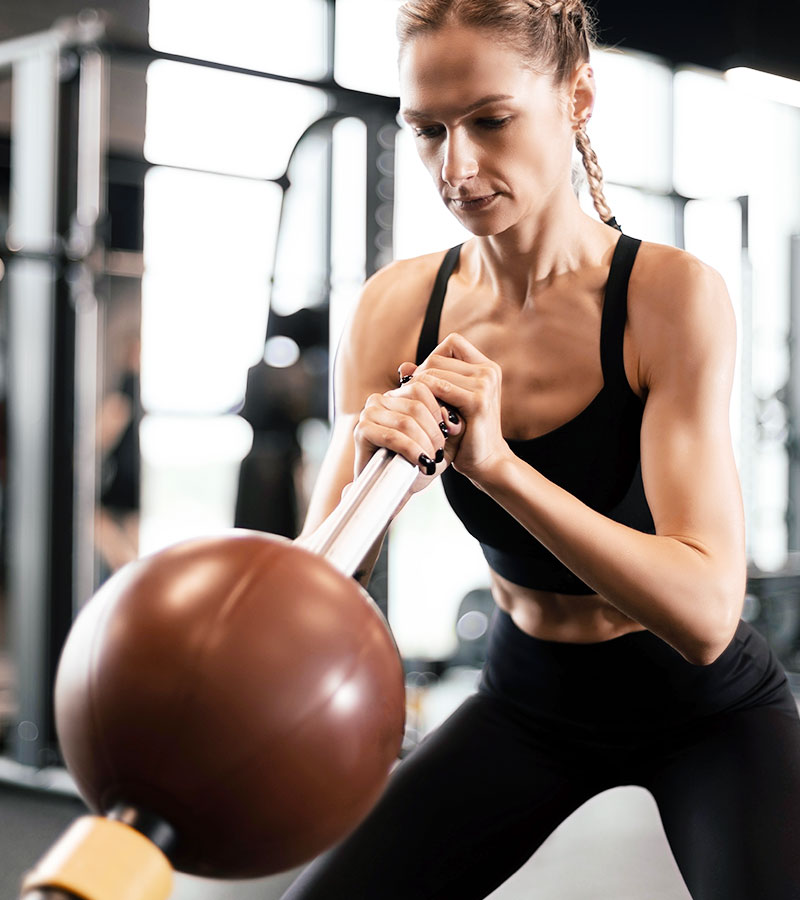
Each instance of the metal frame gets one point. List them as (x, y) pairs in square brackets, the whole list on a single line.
[(792, 397), (51, 253)]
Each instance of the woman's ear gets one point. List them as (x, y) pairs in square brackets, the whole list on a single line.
[(582, 95)]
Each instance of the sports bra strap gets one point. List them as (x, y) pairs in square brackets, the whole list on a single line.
[(429, 336), (615, 310), (615, 313)]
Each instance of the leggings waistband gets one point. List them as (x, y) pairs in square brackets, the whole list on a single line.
[(634, 676)]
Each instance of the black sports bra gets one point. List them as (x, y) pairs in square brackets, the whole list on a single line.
[(594, 456)]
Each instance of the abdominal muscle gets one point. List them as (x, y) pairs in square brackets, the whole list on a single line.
[(582, 619)]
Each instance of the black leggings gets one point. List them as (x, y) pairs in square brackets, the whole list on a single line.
[(552, 725)]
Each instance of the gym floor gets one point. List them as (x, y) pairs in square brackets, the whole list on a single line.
[(616, 837)]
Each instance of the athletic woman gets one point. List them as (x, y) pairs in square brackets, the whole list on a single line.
[(572, 384)]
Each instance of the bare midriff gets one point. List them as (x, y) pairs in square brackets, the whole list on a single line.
[(576, 619)]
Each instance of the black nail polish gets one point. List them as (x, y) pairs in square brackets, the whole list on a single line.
[(453, 416), (439, 456), (404, 379), (430, 465), (444, 429)]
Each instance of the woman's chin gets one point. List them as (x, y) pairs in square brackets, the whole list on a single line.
[(482, 227)]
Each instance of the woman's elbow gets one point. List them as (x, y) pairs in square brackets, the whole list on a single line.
[(716, 629), (704, 653)]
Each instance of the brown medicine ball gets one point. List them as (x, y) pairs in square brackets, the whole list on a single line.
[(242, 689)]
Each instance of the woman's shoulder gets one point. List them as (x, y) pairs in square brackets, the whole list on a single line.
[(385, 324), (678, 302), (402, 276), (672, 289), (665, 275), (395, 298)]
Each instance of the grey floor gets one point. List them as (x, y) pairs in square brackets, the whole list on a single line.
[(613, 848)]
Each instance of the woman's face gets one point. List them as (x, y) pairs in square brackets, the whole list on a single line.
[(496, 137)]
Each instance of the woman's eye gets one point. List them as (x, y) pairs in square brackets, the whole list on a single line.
[(431, 131), (494, 123)]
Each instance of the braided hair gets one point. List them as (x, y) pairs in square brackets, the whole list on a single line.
[(553, 36)]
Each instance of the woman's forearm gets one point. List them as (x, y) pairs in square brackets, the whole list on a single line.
[(668, 583)]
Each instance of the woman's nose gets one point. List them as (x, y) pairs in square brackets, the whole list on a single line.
[(460, 161)]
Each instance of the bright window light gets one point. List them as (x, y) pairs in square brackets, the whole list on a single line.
[(208, 251), (416, 585), (768, 546), (281, 38), (201, 331), (718, 146), (766, 86), (366, 48), (633, 149), (349, 215), (190, 470), (193, 220), (202, 118), (194, 440), (349, 189), (300, 271)]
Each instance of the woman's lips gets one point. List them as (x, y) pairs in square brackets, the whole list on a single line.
[(470, 204)]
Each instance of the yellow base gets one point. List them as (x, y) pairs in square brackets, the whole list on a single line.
[(102, 859)]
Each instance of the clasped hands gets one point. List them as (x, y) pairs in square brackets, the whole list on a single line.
[(446, 410)]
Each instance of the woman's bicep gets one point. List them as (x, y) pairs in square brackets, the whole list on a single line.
[(688, 465), (690, 478)]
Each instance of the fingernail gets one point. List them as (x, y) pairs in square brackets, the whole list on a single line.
[(444, 429), (453, 416), (404, 379), (430, 465), (439, 456)]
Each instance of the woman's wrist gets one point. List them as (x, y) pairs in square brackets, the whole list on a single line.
[(495, 471)]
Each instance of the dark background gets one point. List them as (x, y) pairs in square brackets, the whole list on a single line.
[(718, 34)]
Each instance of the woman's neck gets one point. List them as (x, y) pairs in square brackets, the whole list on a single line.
[(527, 257)]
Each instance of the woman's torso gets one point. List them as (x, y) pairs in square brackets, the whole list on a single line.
[(548, 348)]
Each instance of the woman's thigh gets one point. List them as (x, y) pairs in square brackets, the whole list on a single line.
[(730, 804), (462, 813)]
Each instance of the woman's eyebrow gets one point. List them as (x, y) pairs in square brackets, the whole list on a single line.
[(424, 114)]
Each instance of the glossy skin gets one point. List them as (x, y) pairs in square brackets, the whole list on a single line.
[(521, 357)]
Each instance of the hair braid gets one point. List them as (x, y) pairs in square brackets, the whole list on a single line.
[(557, 7), (594, 175)]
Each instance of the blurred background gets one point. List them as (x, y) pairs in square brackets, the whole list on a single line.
[(188, 207)]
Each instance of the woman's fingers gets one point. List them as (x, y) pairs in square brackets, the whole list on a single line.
[(450, 423), (405, 371), (462, 378), (418, 393), (447, 417), (467, 393), (457, 347), (407, 422)]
